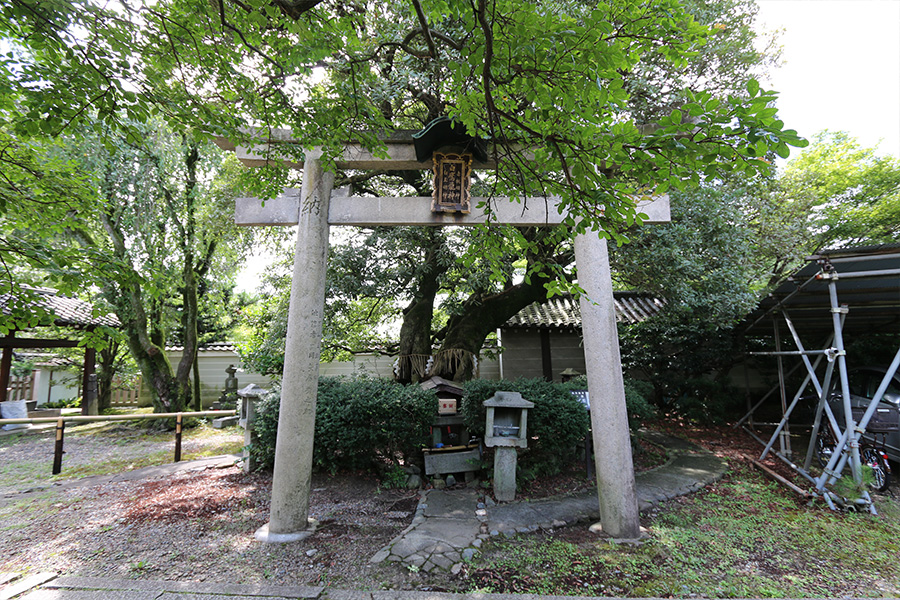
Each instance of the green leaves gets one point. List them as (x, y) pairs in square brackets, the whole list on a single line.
[(849, 192), (360, 424)]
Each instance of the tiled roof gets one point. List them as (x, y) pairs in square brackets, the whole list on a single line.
[(210, 347), (69, 312), (43, 359), (564, 312)]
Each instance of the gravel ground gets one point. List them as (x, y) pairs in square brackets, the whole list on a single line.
[(193, 526)]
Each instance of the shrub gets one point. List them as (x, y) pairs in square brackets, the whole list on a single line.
[(362, 423), (265, 426), (65, 403), (638, 396), (557, 425)]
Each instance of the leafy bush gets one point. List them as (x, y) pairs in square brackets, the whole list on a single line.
[(687, 361), (362, 423), (638, 396), (265, 427), (557, 425), (64, 403)]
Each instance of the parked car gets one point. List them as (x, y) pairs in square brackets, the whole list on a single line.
[(882, 438)]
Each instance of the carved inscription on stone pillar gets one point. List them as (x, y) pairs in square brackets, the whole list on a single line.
[(452, 177)]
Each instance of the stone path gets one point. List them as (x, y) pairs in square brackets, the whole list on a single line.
[(451, 525)]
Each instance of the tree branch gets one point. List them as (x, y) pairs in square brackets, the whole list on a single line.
[(425, 31)]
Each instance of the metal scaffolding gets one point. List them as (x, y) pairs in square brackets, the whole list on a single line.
[(868, 280)]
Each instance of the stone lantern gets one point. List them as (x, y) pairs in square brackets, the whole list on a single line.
[(249, 397), (506, 430)]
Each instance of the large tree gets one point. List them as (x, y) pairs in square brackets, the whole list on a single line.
[(597, 102), (843, 193), (456, 290), (150, 236), (733, 240), (161, 214)]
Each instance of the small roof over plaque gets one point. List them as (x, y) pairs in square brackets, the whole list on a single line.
[(444, 131)]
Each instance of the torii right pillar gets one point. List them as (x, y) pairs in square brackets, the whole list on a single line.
[(619, 515)]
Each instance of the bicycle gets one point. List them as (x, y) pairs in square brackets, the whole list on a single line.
[(871, 455)]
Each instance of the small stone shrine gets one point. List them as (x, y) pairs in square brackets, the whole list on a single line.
[(453, 453)]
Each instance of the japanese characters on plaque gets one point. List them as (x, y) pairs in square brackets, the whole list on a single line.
[(452, 177)]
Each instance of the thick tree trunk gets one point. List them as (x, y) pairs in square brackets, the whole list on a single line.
[(466, 331), (149, 355), (415, 332), (106, 372), (190, 311), (198, 401)]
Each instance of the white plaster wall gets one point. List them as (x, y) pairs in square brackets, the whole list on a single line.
[(383, 366), (64, 386), (212, 367)]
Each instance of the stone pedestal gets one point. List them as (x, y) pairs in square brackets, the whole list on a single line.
[(505, 460), (248, 396)]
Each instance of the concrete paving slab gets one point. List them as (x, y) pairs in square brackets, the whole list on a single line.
[(20, 586), (451, 504), (191, 587), (652, 495), (330, 594), (414, 543), (666, 480), (700, 467), (185, 596), (509, 517), (669, 442), (570, 509), (458, 533), (404, 595), (60, 594)]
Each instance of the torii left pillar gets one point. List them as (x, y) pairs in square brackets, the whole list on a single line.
[(289, 514)]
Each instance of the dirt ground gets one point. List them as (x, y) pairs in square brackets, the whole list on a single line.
[(198, 526)]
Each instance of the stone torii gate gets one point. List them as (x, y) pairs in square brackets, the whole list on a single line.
[(314, 208)]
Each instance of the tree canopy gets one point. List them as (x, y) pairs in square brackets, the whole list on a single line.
[(556, 78), (597, 102), (847, 195)]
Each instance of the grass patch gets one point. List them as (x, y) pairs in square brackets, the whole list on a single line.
[(743, 537)]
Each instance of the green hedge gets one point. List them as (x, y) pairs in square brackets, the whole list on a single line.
[(372, 424), (362, 423), (557, 425)]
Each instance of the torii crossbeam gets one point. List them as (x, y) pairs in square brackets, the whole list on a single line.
[(313, 209)]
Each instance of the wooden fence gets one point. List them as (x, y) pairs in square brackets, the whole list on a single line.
[(62, 420), (126, 393), (20, 388)]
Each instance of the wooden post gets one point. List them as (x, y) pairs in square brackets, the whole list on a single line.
[(178, 438), (88, 405), (5, 366), (58, 450), (546, 362)]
